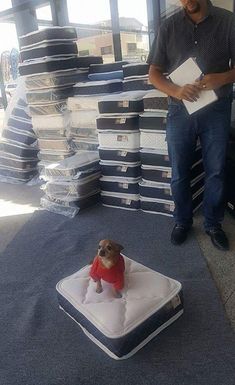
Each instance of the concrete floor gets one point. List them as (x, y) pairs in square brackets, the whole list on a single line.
[(18, 202)]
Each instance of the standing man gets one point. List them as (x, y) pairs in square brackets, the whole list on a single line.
[(207, 34)]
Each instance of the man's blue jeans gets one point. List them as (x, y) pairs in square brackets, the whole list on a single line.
[(211, 124)]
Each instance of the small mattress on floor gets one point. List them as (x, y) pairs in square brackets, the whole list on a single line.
[(121, 326)]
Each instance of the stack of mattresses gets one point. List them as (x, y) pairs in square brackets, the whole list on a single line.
[(18, 147), (72, 184), (107, 71), (51, 67), (155, 190), (119, 141), (136, 77), (105, 79)]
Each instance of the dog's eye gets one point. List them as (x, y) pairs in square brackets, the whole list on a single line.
[(109, 248), (99, 247)]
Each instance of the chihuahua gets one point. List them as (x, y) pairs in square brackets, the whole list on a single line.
[(109, 265)]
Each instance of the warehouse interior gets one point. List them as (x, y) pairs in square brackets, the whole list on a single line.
[(70, 71)]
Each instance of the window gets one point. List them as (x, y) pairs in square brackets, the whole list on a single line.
[(44, 13), (106, 50), (131, 47)]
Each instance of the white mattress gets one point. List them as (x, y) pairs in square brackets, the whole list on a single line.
[(119, 139), (84, 119), (121, 326), (50, 121), (80, 103), (154, 139)]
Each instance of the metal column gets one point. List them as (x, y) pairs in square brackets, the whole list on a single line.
[(115, 29), (59, 11), (25, 19)]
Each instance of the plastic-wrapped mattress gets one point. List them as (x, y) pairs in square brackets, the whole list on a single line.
[(48, 34), (55, 108), (155, 100), (48, 95), (59, 49), (17, 149), (141, 83), (167, 207), (59, 144), (153, 120), (153, 157), (133, 70), (120, 327), (119, 139), (106, 67), (55, 79), (119, 155), (83, 119), (80, 103), (49, 133), (106, 75), (47, 65), (123, 103), (120, 200), (17, 174), (20, 124), (20, 136), (83, 133), (118, 122), (50, 121), (87, 144), (21, 113), (83, 162), (119, 184), (128, 170), (54, 156), (98, 87), (69, 209), (8, 160), (73, 190)]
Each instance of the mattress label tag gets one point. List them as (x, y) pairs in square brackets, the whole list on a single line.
[(167, 191), (169, 174), (122, 153), (120, 121), (123, 185), (123, 168), (122, 138), (123, 103), (126, 201), (176, 301), (146, 81), (166, 157)]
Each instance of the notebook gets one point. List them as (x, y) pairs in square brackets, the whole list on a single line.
[(187, 73)]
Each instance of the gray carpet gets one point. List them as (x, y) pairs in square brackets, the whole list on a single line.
[(40, 345)]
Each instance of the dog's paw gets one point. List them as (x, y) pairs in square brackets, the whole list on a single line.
[(117, 294)]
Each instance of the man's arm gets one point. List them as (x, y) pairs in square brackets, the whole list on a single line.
[(217, 80), (189, 92)]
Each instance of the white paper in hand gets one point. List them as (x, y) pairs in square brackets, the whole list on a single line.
[(188, 73)]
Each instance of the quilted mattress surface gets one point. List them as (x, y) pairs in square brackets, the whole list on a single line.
[(121, 326)]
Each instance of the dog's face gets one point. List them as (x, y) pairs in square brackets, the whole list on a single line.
[(108, 251)]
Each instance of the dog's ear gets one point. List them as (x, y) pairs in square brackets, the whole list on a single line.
[(120, 247)]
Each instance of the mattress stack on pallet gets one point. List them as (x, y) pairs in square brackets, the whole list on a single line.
[(51, 67), (119, 142), (155, 190), (136, 77), (18, 150), (72, 184), (103, 79)]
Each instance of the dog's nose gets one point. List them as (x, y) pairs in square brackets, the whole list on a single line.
[(102, 253)]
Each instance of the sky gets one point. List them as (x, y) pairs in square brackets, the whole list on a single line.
[(80, 12)]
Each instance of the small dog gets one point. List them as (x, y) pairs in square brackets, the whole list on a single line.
[(109, 265)]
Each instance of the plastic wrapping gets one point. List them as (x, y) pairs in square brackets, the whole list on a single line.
[(106, 75), (83, 119), (69, 209), (48, 95), (120, 200), (54, 156), (55, 79), (83, 133), (73, 190), (47, 65), (19, 150), (98, 87), (19, 136), (55, 108), (81, 144), (59, 144), (120, 185), (64, 49), (83, 103), (82, 162), (49, 133), (8, 160), (128, 170), (20, 124), (21, 113), (50, 121), (16, 174)]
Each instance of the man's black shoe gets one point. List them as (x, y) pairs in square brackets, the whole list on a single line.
[(179, 234), (219, 239)]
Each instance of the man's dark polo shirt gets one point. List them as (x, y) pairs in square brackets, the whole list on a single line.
[(211, 43)]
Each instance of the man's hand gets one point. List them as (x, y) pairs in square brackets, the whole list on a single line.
[(211, 81), (189, 92)]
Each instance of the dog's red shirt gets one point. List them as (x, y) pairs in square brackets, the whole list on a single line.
[(114, 275)]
